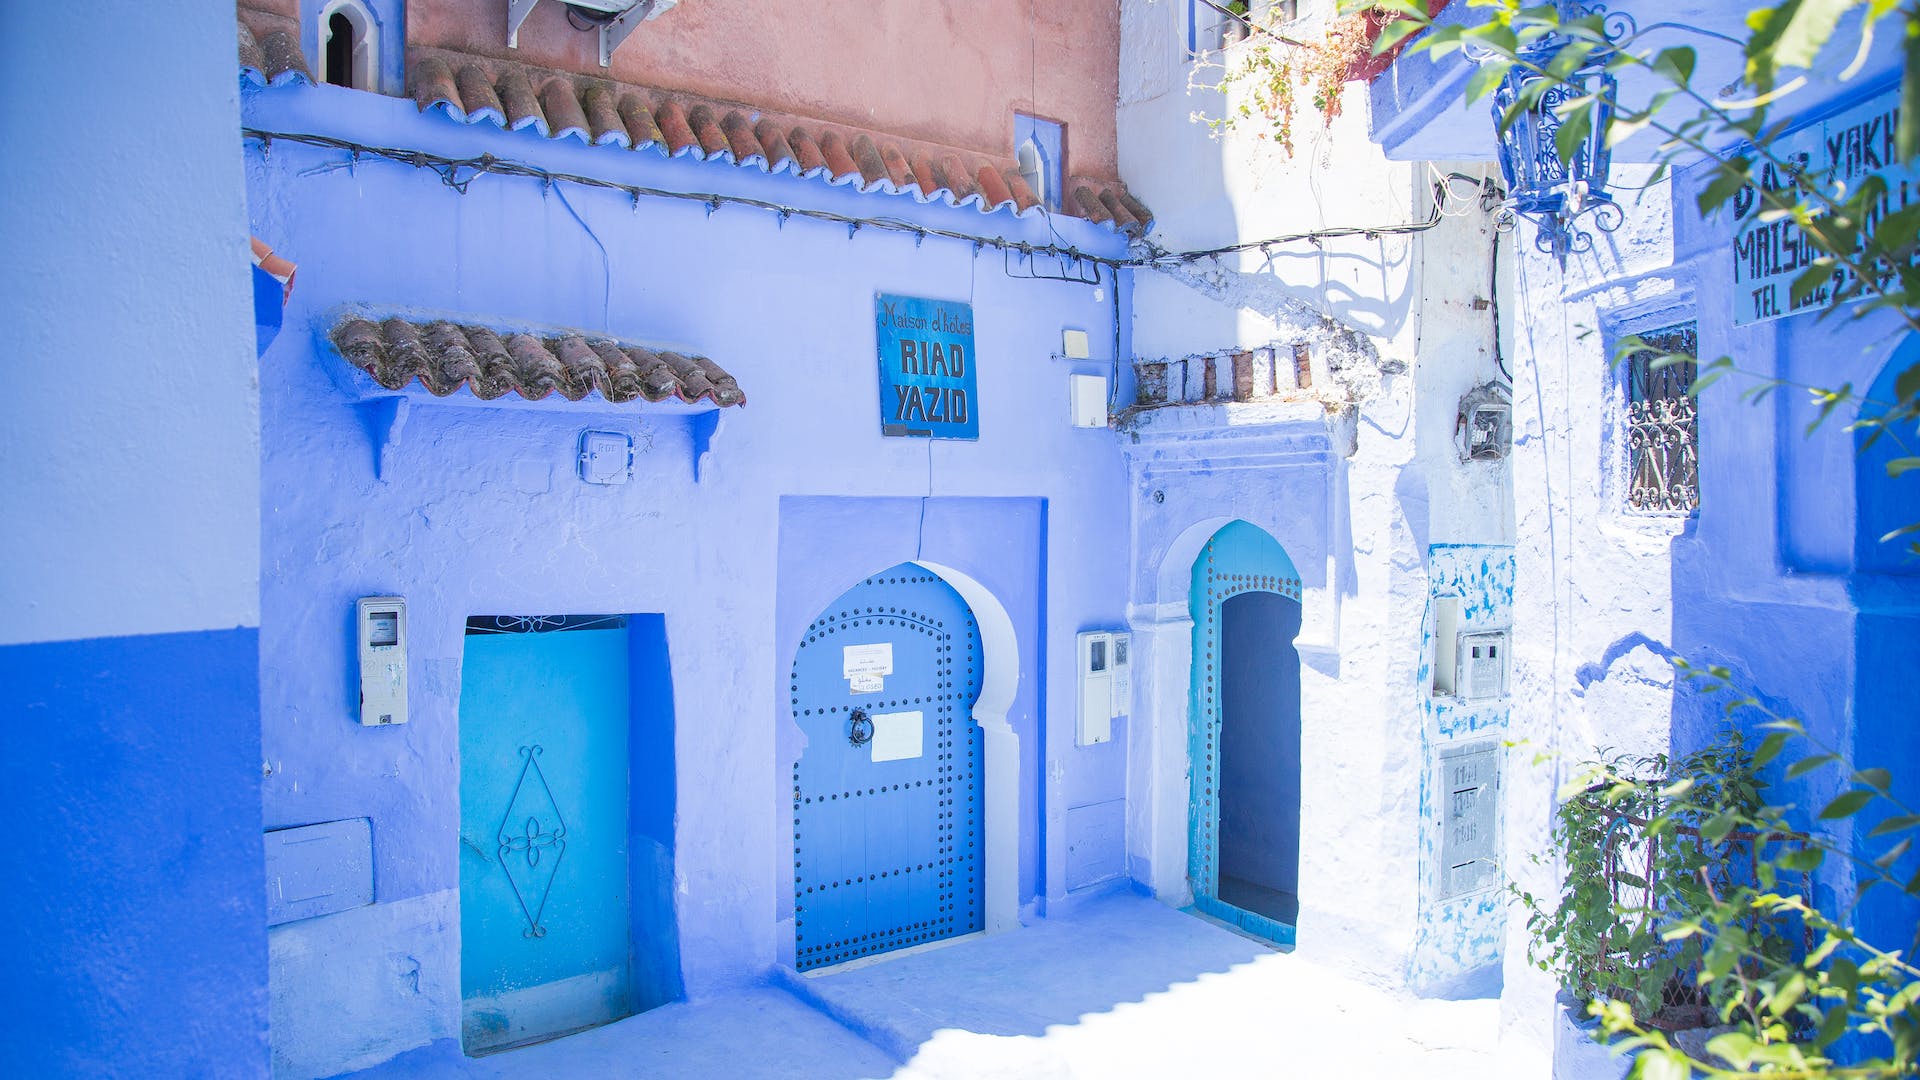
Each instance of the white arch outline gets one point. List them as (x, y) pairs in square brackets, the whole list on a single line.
[(1037, 177), (1000, 769), (1163, 687), (366, 44)]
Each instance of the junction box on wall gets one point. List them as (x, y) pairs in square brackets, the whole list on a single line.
[(1106, 683), (1484, 430)]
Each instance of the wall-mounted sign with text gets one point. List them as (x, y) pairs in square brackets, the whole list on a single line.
[(926, 368), (1837, 156)]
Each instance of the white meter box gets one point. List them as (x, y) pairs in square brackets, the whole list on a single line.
[(1481, 665), (1105, 685), (381, 628)]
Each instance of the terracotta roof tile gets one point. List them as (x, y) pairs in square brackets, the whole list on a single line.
[(713, 142), (272, 58), (523, 109), (482, 102), (778, 152), (1091, 207), (866, 158), (741, 139), (675, 126), (603, 117), (564, 111), (993, 186), (808, 158), (557, 105), (641, 128), (1023, 195), (444, 356)]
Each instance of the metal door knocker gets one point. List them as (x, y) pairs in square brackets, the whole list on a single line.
[(860, 728)]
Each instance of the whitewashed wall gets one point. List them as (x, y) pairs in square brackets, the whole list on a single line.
[(1358, 476)]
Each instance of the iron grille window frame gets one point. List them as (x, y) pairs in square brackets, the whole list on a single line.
[(1659, 426)]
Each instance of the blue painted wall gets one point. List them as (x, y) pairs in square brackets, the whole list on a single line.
[(128, 648), (655, 782), (479, 511)]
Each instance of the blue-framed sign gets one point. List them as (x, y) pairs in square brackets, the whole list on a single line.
[(926, 368)]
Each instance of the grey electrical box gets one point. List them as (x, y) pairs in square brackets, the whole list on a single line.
[(1486, 424), (1466, 792)]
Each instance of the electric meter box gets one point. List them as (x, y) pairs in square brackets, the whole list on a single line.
[(381, 627), (1480, 665), (1466, 789), (1103, 683)]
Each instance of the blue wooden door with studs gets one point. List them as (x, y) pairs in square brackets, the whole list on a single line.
[(545, 927), (887, 845)]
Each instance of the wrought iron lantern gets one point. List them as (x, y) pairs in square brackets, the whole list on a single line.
[(1552, 193)]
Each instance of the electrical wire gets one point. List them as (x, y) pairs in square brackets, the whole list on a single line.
[(1443, 195), (606, 260), (459, 173), (1493, 301)]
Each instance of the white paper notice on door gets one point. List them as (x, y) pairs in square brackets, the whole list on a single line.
[(866, 684), (896, 736), (866, 660)]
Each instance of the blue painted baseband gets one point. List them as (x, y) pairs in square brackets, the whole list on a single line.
[(138, 898)]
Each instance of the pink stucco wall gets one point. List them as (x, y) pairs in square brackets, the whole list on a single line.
[(943, 71)]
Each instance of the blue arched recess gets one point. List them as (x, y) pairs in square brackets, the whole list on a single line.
[(1886, 589), (1244, 828), (887, 845)]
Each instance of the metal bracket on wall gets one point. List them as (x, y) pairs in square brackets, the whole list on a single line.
[(612, 32), (385, 419)]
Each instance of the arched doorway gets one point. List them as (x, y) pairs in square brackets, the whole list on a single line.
[(1244, 848), (889, 845)]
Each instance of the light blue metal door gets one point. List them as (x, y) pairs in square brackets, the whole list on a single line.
[(544, 917), (887, 846)]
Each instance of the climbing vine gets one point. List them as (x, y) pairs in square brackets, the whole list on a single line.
[(1274, 70)]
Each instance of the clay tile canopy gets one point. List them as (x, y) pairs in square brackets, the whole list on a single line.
[(473, 90), (446, 356), (556, 105)]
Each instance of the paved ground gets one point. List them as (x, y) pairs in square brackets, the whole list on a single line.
[(1121, 987)]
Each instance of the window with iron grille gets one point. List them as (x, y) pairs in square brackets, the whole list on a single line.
[(1663, 432)]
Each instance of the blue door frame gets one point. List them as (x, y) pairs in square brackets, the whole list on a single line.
[(888, 848), (1239, 559)]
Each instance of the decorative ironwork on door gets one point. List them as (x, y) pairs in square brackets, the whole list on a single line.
[(532, 838)]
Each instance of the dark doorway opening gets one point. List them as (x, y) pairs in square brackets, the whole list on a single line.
[(1260, 755)]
